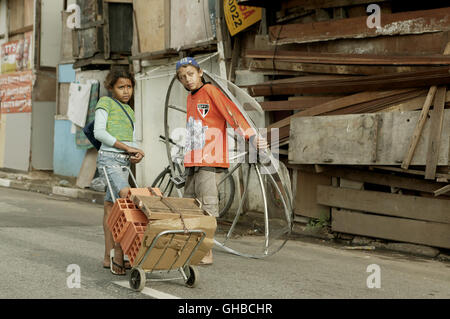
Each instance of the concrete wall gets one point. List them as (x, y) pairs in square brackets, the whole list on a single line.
[(2, 140), (51, 28), (43, 115), (17, 141)]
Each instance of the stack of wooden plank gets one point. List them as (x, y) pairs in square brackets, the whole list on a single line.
[(364, 114), (375, 202)]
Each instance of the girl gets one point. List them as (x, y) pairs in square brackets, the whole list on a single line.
[(114, 128)]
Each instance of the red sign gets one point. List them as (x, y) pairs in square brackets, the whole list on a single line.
[(15, 92)]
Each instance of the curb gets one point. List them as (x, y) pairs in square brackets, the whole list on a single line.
[(81, 194), (39, 187), (364, 243)]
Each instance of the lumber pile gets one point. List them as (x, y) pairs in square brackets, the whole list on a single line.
[(363, 115)]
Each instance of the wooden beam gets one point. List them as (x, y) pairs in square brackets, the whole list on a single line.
[(269, 65), (421, 122), (155, 55), (37, 35), (334, 107), (392, 228), (305, 202), (411, 105), (317, 4), (300, 103), (351, 84), (340, 103), (412, 22), (409, 171), (378, 104), (413, 207), (377, 178), (96, 60), (234, 58), (106, 30), (434, 140), (419, 127), (119, 1), (21, 30), (442, 190), (345, 58)]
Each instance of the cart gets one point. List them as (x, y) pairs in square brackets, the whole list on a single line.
[(190, 274), (158, 251)]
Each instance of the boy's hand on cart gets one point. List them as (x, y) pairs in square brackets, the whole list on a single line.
[(260, 143)]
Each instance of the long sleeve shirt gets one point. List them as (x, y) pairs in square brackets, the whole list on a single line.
[(208, 112), (101, 134)]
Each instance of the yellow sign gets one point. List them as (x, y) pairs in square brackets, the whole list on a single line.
[(240, 17)]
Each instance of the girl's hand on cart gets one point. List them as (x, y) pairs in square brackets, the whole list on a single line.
[(136, 158), (133, 151), (136, 154)]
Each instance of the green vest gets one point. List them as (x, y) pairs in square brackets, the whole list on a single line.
[(118, 124)]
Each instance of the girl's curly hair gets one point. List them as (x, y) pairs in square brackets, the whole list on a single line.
[(114, 75)]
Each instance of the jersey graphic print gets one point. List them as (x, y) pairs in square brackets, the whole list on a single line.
[(203, 109), (195, 135)]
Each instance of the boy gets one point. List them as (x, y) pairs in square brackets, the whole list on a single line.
[(206, 151)]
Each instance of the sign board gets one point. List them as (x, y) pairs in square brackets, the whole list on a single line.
[(240, 17), (15, 92), (11, 51), (15, 55)]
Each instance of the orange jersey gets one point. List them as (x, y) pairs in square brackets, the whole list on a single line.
[(208, 112)]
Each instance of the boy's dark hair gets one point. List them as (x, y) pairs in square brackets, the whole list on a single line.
[(114, 75)]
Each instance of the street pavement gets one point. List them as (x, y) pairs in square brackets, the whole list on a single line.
[(47, 241)]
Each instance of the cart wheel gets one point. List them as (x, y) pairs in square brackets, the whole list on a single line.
[(192, 276), (137, 279)]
